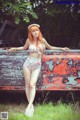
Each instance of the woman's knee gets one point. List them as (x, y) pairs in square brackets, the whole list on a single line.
[(27, 83), (32, 85)]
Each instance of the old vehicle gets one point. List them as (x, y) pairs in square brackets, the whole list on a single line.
[(60, 70)]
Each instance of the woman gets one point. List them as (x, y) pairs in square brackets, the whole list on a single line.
[(31, 67)]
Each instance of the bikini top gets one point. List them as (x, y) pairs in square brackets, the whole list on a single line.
[(33, 48)]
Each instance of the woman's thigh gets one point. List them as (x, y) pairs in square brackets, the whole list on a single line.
[(27, 74), (34, 76)]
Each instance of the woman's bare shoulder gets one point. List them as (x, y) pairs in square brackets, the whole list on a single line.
[(27, 41), (44, 40)]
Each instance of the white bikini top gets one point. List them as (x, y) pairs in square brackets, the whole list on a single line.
[(33, 48)]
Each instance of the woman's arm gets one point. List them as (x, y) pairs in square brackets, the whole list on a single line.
[(20, 48), (47, 45)]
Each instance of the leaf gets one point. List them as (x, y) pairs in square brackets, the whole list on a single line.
[(17, 20), (26, 19), (34, 15)]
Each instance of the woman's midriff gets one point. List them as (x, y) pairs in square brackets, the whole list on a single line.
[(35, 55)]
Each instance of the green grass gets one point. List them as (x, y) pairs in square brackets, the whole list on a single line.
[(47, 111)]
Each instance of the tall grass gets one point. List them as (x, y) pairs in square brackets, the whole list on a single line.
[(46, 111)]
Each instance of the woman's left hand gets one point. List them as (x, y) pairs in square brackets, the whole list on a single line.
[(65, 48)]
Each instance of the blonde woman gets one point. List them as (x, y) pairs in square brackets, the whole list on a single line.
[(32, 66)]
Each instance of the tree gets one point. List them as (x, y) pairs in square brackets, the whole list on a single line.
[(18, 9), (52, 8)]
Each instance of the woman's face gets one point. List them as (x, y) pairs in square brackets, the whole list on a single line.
[(35, 32)]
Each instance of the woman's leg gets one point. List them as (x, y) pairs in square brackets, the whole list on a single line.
[(27, 74), (33, 80)]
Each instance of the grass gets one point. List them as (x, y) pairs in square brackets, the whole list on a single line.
[(46, 111)]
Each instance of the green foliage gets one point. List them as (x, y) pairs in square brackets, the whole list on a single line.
[(19, 9), (23, 10), (50, 8)]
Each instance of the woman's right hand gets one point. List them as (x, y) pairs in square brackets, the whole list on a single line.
[(11, 50)]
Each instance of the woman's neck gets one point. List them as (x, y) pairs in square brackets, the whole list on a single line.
[(35, 38)]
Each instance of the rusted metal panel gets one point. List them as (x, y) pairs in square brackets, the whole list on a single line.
[(60, 70), (11, 76)]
